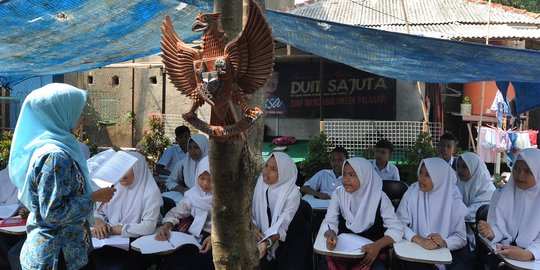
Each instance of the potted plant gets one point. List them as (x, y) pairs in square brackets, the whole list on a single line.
[(466, 106)]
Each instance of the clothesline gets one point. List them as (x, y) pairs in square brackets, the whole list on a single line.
[(492, 140)]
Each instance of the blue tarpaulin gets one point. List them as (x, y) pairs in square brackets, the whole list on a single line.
[(53, 37), (41, 37)]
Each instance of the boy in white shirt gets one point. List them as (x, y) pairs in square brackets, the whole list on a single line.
[(323, 183), (174, 153), (381, 163)]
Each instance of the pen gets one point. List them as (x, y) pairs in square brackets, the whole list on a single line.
[(170, 243), (329, 227), (102, 204)]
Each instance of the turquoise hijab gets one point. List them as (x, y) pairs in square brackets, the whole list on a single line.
[(47, 117)]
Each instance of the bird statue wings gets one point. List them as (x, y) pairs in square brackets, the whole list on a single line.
[(221, 73)]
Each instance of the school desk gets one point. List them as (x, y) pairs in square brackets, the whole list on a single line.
[(320, 248), (514, 264), (297, 151), (316, 204), (410, 251), (15, 230)]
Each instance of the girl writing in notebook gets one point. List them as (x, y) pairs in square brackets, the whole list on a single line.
[(513, 221), (196, 203), (49, 170), (183, 175), (275, 202), (133, 212), (361, 207), (433, 214)]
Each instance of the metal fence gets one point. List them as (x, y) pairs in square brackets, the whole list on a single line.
[(358, 136)]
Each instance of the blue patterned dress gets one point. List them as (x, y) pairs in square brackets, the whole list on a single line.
[(60, 211)]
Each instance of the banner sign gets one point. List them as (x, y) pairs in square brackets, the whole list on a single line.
[(294, 91)]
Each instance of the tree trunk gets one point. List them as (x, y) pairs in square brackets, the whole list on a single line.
[(235, 167)]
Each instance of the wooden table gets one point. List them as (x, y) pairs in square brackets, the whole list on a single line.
[(15, 230), (320, 248), (409, 251), (514, 264)]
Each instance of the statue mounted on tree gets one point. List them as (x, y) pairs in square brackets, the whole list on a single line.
[(221, 73)]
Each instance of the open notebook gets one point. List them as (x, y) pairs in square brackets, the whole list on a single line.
[(349, 242), (149, 245), (116, 241)]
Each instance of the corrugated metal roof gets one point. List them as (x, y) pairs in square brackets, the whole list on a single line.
[(465, 31), (390, 12)]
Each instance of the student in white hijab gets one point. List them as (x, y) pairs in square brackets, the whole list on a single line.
[(474, 183), (360, 207), (132, 212), (8, 196), (8, 192), (183, 175), (196, 203), (433, 214), (275, 201), (513, 219)]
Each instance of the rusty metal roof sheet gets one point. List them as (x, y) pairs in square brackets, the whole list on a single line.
[(390, 12)]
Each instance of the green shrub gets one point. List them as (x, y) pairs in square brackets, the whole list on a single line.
[(154, 140), (423, 148), (318, 156), (5, 147)]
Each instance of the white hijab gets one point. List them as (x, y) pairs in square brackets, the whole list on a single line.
[(130, 204), (277, 193), (8, 191), (516, 213), (433, 212), (479, 187), (190, 165), (359, 208), (201, 202)]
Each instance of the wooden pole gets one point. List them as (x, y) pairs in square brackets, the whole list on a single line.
[(420, 96)]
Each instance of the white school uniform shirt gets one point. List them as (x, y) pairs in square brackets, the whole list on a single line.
[(171, 156), (439, 211), (137, 206), (516, 217), (324, 181), (197, 204), (8, 191), (359, 208), (390, 172), (283, 200)]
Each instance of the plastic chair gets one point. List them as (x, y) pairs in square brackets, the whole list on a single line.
[(168, 204), (482, 251), (394, 189)]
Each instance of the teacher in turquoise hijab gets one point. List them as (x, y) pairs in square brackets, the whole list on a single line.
[(49, 170)]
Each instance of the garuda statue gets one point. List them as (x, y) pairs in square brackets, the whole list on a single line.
[(221, 73)]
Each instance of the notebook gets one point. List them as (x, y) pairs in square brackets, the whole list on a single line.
[(113, 169), (13, 221), (116, 241), (149, 245), (350, 242)]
